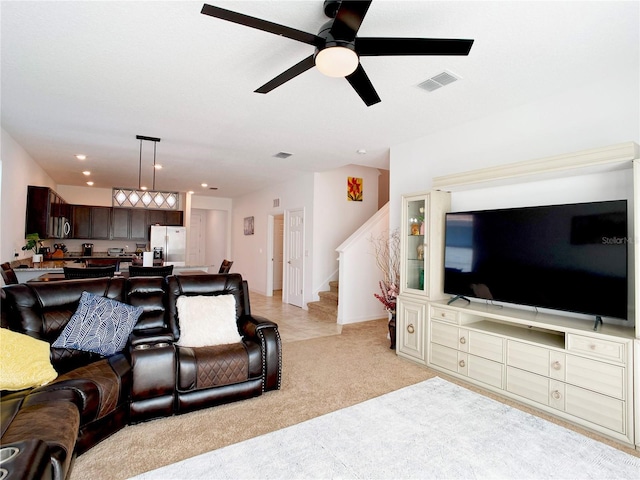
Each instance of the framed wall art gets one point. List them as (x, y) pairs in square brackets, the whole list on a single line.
[(354, 189), (248, 225)]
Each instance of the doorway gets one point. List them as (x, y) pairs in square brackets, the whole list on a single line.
[(275, 253)]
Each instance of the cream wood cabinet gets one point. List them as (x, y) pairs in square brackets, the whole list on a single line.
[(636, 369), (554, 363), (421, 268), (411, 330)]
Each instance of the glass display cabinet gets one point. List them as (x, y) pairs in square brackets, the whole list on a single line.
[(421, 268), (422, 247)]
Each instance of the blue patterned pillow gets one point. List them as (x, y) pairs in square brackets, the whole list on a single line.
[(99, 325)]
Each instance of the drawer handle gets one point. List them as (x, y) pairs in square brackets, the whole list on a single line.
[(556, 365), (463, 340), (556, 395), (442, 314), (592, 346), (410, 328), (461, 363)]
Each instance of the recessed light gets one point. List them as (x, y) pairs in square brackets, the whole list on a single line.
[(143, 188), (204, 185), (191, 192), (86, 172), (361, 151), (90, 183), (157, 166), (81, 157)]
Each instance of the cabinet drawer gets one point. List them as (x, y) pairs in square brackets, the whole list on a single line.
[(444, 314), (482, 370), (477, 368), (444, 334), (443, 357), (600, 409), (539, 360), (596, 347), (528, 385), (597, 376), (485, 345), (528, 357)]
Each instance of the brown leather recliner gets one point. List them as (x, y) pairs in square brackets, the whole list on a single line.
[(213, 375)]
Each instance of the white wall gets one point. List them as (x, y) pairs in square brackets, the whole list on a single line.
[(335, 218), (18, 171), (359, 272), (249, 252), (594, 115), (591, 116), (217, 246)]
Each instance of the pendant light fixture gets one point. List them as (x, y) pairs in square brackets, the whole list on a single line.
[(142, 196), (155, 141)]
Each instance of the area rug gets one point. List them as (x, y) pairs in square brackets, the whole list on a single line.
[(434, 429)]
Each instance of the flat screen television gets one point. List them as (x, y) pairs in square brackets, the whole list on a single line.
[(569, 257)]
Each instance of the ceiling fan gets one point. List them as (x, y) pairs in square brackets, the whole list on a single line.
[(338, 47)]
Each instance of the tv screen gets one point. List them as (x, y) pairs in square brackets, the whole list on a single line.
[(564, 257)]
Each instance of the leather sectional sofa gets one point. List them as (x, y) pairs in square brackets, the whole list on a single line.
[(154, 376)]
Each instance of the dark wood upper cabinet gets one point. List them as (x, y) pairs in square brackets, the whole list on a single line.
[(129, 224), (139, 230), (116, 223), (90, 222), (120, 224), (81, 221), (47, 213)]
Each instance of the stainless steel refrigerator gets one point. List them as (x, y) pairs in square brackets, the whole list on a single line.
[(172, 241)]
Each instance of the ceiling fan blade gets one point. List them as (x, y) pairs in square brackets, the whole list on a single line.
[(260, 24), (363, 86), (348, 19), (373, 46), (287, 75)]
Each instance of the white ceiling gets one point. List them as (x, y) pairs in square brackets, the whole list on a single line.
[(88, 76)]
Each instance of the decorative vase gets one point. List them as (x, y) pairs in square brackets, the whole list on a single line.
[(37, 258), (421, 228), (392, 330)]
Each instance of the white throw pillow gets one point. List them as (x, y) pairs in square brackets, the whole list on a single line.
[(207, 320)]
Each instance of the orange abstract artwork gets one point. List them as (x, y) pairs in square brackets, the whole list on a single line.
[(354, 189)]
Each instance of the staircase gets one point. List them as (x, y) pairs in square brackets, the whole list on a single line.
[(326, 308)]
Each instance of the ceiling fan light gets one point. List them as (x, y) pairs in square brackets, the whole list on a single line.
[(337, 61)]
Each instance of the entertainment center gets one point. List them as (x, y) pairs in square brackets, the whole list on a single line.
[(550, 360)]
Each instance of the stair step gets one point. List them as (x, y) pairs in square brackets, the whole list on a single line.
[(323, 311), (331, 297), (333, 286)]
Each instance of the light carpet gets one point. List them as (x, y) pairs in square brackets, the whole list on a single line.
[(434, 429)]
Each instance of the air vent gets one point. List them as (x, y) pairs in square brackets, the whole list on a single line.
[(283, 155), (438, 81), (276, 202), (213, 188)]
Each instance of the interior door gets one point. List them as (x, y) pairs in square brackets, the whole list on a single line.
[(278, 254), (295, 257)]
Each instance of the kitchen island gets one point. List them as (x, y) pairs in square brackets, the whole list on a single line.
[(56, 266)]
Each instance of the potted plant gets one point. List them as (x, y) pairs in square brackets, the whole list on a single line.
[(33, 243)]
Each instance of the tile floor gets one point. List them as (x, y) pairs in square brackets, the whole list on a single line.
[(294, 323)]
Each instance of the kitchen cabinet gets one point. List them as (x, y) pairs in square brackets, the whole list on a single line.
[(47, 213), (129, 224), (91, 222), (171, 218), (107, 223)]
